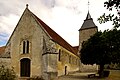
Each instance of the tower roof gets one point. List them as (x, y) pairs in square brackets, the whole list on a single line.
[(88, 23)]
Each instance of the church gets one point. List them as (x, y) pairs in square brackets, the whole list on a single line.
[(34, 49)]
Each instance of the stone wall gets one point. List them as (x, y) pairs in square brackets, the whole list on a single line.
[(6, 62), (84, 35), (28, 29), (68, 62)]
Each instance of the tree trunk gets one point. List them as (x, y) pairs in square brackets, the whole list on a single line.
[(101, 70)]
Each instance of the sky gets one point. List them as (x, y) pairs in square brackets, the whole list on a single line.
[(64, 16)]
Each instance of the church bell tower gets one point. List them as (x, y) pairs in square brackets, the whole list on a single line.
[(87, 29)]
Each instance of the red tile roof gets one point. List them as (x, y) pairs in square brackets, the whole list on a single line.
[(76, 48), (2, 50), (55, 37)]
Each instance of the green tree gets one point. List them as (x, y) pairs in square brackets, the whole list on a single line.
[(6, 73), (113, 41), (102, 48), (95, 51), (110, 5)]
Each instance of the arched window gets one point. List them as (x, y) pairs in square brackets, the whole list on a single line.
[(25, 46), (25, 67)]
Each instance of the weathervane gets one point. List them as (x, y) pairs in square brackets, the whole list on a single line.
[(88, 5)]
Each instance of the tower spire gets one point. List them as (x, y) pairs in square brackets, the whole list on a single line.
[(88, 5)]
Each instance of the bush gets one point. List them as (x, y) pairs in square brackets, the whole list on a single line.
[(6, 73)]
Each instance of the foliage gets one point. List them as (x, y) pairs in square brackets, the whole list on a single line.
[(102, 48), (110, 4), (113, 41), (95, 51), (6, 73)]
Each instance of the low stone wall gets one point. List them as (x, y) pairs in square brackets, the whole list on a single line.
[(89, 68), (5, 61)]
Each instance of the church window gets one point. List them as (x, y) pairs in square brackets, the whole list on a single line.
[(25, 46), (59, 55), (25, 67), (70, 59)]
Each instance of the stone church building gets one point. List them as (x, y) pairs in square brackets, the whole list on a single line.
[(34, 49)]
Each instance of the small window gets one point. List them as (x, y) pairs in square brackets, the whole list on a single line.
[(70, 59), (25, 46), (59, 55)]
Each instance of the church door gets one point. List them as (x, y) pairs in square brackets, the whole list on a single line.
[(25, 67)]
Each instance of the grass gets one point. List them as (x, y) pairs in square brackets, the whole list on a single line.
[(114, 75)]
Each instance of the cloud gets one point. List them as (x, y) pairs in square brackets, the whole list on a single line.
[(7, 23), (56, 13), (63, 16), (49, 3)]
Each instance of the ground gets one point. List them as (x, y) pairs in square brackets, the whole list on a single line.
[(114, 75)]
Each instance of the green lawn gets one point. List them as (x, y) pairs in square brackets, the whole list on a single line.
[(114, 75)]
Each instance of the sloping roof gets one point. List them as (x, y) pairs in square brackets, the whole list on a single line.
[(2, 50), (3, 54), (88, 23), (55, 37), (76, 48)]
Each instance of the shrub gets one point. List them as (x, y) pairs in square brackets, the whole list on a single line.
[(6, 73)]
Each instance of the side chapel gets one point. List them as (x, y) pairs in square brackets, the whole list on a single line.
[(34, 49)]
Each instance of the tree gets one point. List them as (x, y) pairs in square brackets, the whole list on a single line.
[(95, 51), (113, 41), (6, 73), (110, 5), (102, 48)]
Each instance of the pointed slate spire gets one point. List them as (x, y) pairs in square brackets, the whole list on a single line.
[(88, 23), (88, 16)]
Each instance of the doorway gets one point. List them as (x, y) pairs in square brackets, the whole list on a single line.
[(25, 67)]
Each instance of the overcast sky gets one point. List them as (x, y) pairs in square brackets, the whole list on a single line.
[(63, 16)]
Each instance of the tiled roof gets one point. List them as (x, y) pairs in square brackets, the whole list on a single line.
[(2, 50), (3, 54), (55, 37), (88, 23), (76, 48)]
